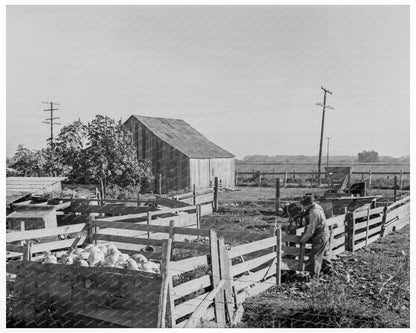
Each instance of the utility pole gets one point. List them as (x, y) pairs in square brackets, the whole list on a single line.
[(51, 119), (324, 106), (327, 150)]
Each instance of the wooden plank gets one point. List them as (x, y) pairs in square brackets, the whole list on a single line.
[(14, 248), (362, 225), (216, 277), (261, 287), (252, 278), (337, 242), (186, 265), (293, 251), (301, 256), (362, 235), (373, 211), (251, 264), (192, 232), (131, 240), (251, 247), (399, 203), (189, 306), (191, 246), (115, 210), (225, 267), (40, 233), (51, 246), (130, 226), (278, 256), (162, 307), (290, 238), (203, 306), (191, 286), (241, 235), (208, 316)]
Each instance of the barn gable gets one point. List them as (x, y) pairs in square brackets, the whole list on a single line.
[(180, 135)]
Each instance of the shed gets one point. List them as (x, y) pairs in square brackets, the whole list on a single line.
[(32, 217), (20, 187), (182, 155)]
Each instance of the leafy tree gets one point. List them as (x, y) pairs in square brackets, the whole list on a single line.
[(101, 152), (28, 163), (368, 157)]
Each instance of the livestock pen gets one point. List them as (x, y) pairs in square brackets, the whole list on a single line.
[(204, 279)]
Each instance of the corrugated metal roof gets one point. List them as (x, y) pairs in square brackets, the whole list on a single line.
[(14, 196), (183, 137)]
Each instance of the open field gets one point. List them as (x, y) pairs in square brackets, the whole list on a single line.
[(246, 194)]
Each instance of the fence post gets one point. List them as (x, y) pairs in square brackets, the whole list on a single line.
[(395, 188), (236, 178), (215, 203), (259, 183), (277, 196), (278, 255), (350, 232), (216, 277), (225, 268), (27, 252), (368, 226), (285, 179), (383, 221), (163, 301), (401, 180), (149, 222), (193, 195), (370, 174), (294, 174), (301, 256), (159, 177)]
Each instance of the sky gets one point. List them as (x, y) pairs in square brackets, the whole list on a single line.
[(246, 77)]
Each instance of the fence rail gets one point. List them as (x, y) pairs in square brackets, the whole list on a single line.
[(211, 284)]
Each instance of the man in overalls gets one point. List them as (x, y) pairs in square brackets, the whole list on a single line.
[(317, 232)]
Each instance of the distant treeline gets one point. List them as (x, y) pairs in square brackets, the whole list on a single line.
[(303, 159)]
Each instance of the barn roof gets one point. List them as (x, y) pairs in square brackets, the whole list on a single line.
[(183, 137)]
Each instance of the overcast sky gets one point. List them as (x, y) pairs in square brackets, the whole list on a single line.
[(247, 77)]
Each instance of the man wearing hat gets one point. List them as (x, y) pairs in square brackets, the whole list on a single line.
[(317, 232)]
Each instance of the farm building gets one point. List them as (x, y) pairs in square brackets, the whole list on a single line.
[(33, 217), (182, 155), (19, 188)]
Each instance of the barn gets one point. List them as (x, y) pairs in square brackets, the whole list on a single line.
[(182, 155)]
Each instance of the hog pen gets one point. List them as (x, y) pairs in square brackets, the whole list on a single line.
[(205, 275)]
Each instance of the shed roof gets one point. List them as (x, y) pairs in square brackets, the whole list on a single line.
[(19, 187), (32, 212), (183, 137)]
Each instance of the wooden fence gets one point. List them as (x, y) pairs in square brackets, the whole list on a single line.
[(259, 177), (206, 278)]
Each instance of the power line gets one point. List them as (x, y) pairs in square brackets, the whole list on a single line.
[(324, 106), (51, 119)]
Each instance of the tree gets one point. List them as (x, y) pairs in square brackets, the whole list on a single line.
[(101, 152), (368, 156), (29, 163)]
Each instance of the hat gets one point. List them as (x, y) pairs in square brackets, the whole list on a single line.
[(307, 200)]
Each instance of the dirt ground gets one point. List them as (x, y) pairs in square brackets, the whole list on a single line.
[(371, 288)]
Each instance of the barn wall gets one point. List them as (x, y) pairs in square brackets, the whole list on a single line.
[(203, 171), (171, 163)]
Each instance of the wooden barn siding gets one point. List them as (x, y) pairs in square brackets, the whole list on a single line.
[(171, 163), (203, 171)]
